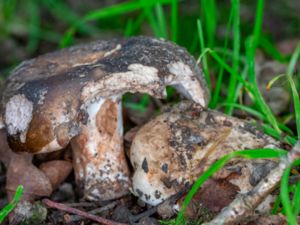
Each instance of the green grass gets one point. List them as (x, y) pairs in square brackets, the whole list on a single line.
[(290, 208), (10, 206), (235, 56), (228, 61)]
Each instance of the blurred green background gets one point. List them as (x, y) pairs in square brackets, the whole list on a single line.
[(248, 50), (31, 27), (228, 36)]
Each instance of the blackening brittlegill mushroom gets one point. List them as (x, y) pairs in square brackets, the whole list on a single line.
[(172, 150), (74, 96)]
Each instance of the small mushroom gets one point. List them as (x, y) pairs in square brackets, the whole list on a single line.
[(172, 150), (74, 96)]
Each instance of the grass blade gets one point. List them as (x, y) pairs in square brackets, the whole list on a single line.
[(230, 70), (110, 11), (209, 12), (202, 48), (247, 109), (174, 21), (258, 22), (10, 206), (293, 61), (296, 104), (161, 21), (121, 8), (216, 92), (284, 195), (271, 82), (67, 39), (296, 200), (236, 55), (250, 53), (271, 50), (290, 71)]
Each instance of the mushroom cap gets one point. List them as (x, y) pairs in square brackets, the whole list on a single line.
[(45, 99), (172, 150)]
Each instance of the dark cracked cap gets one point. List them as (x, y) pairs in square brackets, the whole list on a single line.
[(45, 98)]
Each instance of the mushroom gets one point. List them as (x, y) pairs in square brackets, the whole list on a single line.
[(172, 150), (74, 96)]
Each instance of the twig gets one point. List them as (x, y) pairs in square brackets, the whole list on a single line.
[(81, 204), (94, 211), (244, 204), (78, 212)]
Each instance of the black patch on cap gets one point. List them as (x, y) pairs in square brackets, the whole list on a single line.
[(164, 167), (157, 194), (139, 192), (145, 166)]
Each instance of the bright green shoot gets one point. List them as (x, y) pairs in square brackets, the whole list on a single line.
[(10, 206), (291, 210)]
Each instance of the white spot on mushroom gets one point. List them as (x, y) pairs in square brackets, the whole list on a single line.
[(42, 97), (18, 114), (117, 48), (95, 192), (180, 69), (149, 72)]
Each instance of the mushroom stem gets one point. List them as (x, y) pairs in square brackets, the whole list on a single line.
[(99, 161)]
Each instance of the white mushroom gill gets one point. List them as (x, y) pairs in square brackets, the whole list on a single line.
[(186, 83), (92, 111)]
